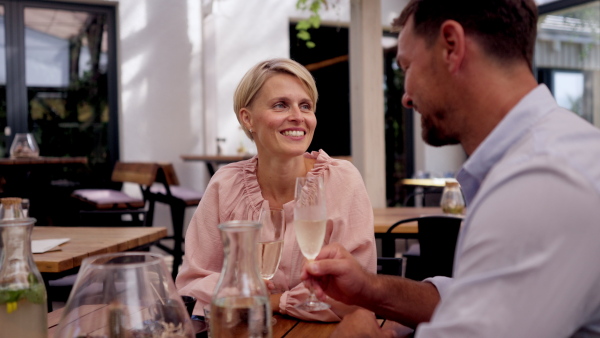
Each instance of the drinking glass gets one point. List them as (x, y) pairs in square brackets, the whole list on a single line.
[(310, 218), (270, 243), (124, 295)]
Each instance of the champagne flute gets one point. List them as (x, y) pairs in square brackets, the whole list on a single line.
[(270, 243), (310, 218)]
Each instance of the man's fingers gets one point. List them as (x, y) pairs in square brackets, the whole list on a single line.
[(327, 267), (332, 251)]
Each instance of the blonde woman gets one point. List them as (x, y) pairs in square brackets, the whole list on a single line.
[(275, 103)]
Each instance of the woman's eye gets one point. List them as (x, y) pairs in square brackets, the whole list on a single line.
[(305, 106), (279, 105)]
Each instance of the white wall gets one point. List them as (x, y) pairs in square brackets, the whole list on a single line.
[(435, 160), (161, 87), (246, 32)]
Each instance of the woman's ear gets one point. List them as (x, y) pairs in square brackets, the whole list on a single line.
[(452, 36), (246, 118)]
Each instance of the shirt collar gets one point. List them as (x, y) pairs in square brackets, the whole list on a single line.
[(513, 127)]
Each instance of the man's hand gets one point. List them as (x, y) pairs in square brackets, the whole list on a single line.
[(360, 323), (337, 274)]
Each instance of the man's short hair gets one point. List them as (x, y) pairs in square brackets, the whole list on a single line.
[(506, 29)]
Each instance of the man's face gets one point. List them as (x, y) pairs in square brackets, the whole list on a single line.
[(425, 86)]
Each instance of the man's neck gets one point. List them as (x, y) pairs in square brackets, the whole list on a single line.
[(492, 96)]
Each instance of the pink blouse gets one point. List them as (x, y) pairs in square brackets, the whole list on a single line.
[(234, 194)]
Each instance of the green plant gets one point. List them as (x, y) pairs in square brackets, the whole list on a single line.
[(314, 21)]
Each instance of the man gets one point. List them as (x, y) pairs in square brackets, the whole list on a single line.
[(526, 262)]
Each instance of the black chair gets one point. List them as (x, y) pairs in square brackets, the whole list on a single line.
[(168, 191), (437, 239), (389, 266)]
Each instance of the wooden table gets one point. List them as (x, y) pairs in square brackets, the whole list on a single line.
[(85, 242), (286, 327), (89, 241), (385, 217), (213, 161), (427, 182), (43, 160)]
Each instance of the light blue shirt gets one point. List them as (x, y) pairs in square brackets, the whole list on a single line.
[(527, 262)]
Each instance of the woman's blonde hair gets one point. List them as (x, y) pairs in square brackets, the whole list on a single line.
[(256, 77)]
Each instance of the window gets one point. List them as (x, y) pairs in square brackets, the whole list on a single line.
[(567, 55), (59, 79)]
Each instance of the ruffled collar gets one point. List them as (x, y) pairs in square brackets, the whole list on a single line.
[(252, 190)]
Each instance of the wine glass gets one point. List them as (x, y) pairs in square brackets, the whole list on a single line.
[(124, 295), (270, 243), (310, 218)]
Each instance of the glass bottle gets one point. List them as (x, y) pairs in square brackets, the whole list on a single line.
[(240, 305), (452, 201), (23, 311)]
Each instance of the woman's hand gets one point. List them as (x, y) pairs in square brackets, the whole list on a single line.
[(274, 299), (270, 285)]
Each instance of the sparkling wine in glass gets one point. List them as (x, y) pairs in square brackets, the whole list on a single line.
[(270, 243), (310, 218)]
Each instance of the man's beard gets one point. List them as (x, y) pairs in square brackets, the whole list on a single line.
[(433, 135)]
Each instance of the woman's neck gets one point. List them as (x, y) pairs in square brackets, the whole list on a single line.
[(277, 177)]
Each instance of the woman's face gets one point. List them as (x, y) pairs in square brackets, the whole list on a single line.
[(281, 117)]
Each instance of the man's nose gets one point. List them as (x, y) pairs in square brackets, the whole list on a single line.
[(407, 101)]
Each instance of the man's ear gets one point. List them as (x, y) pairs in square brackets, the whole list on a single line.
[(452, 36), (246, 118)]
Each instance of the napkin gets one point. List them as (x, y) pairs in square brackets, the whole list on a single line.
[(45, 245)]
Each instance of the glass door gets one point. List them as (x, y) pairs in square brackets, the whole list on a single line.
[(4, 129), (66, 65)]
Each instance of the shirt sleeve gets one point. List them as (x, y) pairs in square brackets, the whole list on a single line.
[(350, 223), (441, 283), (527, 259), (203, 260)]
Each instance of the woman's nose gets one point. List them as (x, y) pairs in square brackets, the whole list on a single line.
[(407, 101), (296, 114)]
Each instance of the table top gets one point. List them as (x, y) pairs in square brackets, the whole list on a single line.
[(385, 217), (286, 326), (89, 241), (43, 160), (427, 182), (216, 158)]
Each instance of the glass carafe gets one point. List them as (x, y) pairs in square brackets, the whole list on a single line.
[(127, 294), (452, 201), (23, 309), (24, 145), (240, 305), (11, 208)]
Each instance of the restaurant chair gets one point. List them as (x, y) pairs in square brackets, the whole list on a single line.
[(430, 196), (390, 266), (109, 207), (437, 243), (167, 190)]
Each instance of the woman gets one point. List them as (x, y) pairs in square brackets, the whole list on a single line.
[(275, 104)]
